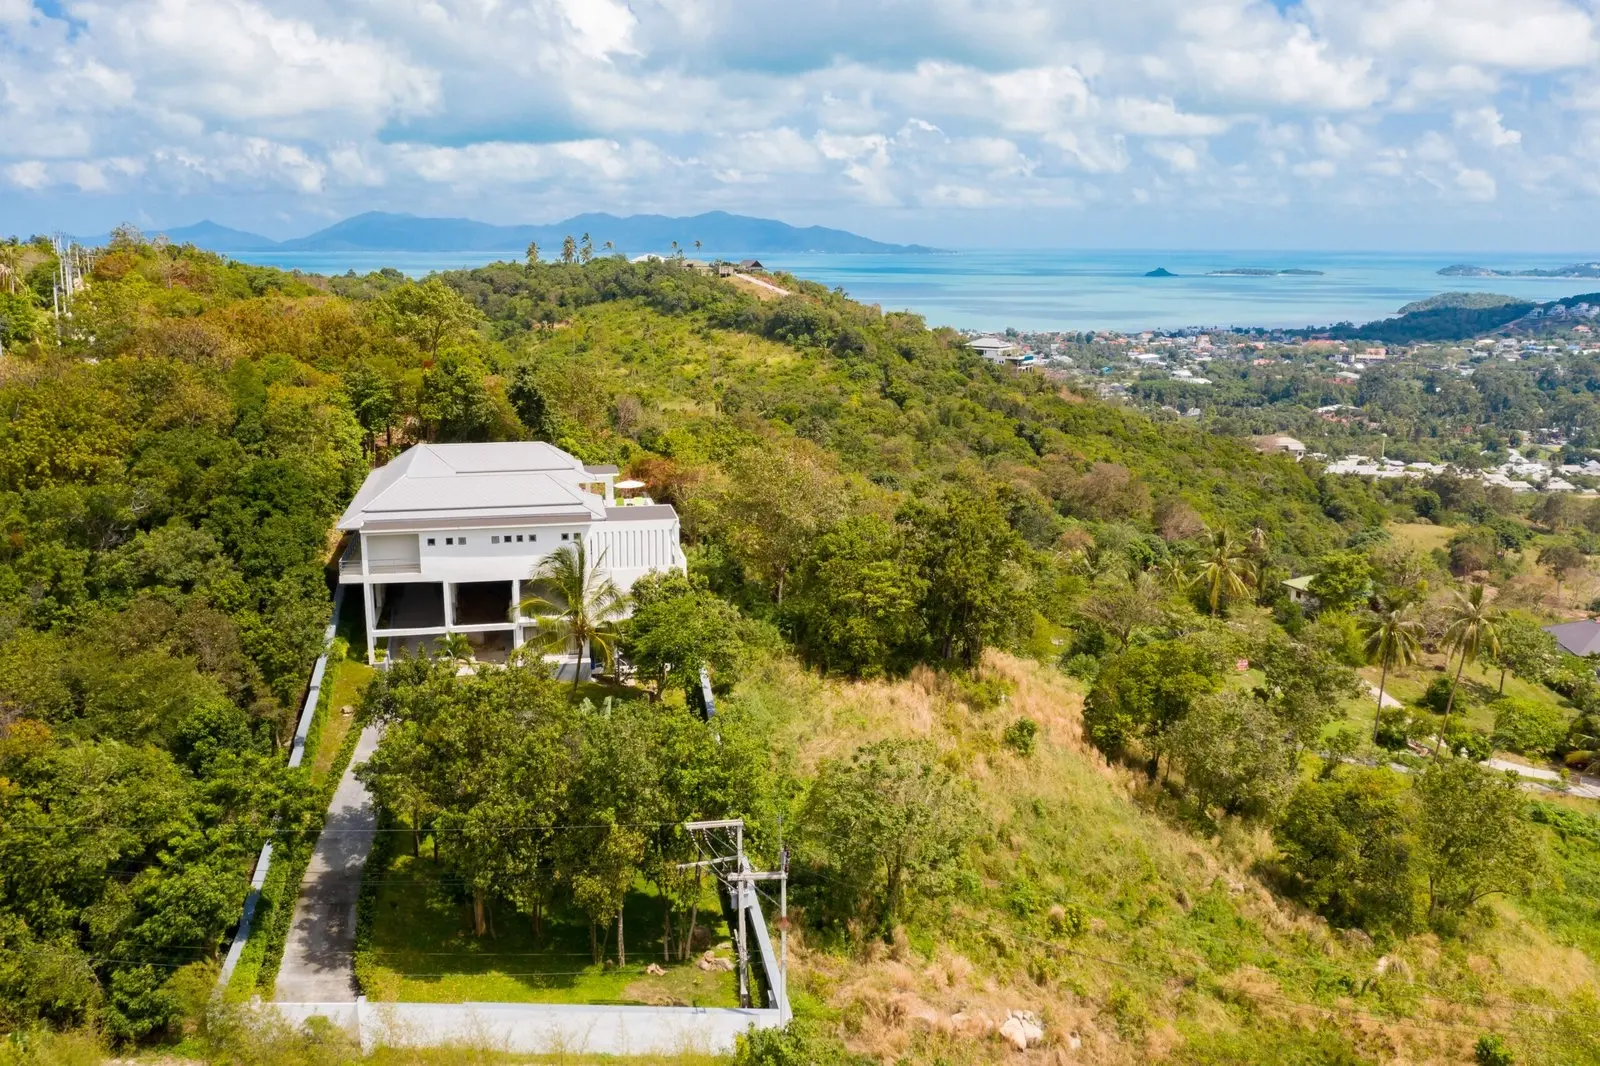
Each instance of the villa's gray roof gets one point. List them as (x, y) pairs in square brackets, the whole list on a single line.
[(432, 485), (1580, 638)]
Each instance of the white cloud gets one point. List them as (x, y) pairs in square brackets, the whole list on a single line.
[(322, 107), (1484, 125)]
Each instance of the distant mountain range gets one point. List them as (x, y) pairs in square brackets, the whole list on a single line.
[(377, 231), (1574, 270)]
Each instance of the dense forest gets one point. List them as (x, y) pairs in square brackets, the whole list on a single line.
[(1086, 603)]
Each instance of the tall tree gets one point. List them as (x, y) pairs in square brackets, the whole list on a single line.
[(1562, 560), (585, 249), (577, 606), (1393, 638), (1224, 571), (1472, 629), (533, 253), (429, 313), (569, 249)]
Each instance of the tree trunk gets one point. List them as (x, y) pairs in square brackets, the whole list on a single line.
[(479, 925), (1450, 704), (688, 936), (594, 944), (666, 929), (538, 916), (416, 833), (1383, 678), (622, 952), (1502, 691)]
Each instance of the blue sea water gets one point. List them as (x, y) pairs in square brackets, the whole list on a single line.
[(1049, 290)]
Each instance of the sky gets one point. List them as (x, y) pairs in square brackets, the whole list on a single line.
[(1338, 124)]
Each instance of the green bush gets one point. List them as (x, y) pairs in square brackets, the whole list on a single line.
[(1492, 1051), (1437, 697), (800, 1043), (1527, 727), (1019, 736)]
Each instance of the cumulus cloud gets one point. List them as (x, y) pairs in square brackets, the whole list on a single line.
[(322, 106)]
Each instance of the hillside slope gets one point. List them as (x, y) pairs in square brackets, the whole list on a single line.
[(1133, 939)]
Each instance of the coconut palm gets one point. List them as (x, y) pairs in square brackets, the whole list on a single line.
[(1393, 637), (1224, 570), (1471, 629), (577, 606), (1173, 572)]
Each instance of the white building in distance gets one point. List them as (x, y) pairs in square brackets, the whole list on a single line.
[(444, 538)]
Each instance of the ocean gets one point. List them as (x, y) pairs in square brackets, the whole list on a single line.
[(1081, 290)]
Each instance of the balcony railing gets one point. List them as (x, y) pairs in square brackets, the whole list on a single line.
[(410, 566)]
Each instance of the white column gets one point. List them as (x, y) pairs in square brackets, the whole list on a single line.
[(372, 619), (449, 606)]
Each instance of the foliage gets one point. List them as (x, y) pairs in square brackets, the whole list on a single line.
[(1473, 835), (1142, 693), (890, 826), (1233, 754), (800, 1043), (1343, 579), (1350, 850), (678, 628), (1528, 727), (1020, 736)]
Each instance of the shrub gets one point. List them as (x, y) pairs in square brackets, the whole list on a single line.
[(1437, 697), (1392, 728), (1528, 727), (800, 1043), (1019, 736), (1492, 1051)]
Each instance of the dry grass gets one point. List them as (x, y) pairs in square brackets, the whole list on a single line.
[(1181, 941)]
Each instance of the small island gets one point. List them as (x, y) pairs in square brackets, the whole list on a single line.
[(1160, 272), (1262, 272), (1573, 270)]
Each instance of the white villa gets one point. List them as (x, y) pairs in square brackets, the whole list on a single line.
[(1001, 351), (443, 539)]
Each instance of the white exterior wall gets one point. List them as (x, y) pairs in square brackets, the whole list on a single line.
[(626, 550)]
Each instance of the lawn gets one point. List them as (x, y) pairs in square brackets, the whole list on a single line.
[(348, 679), (1479, 687), (421, 950), (1423, 536)]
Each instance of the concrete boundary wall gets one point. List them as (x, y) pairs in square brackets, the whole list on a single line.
[(538, 1028), (297, 751)]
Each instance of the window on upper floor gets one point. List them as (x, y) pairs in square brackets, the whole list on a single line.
[(494, 540), (449, 540), (430, 542)]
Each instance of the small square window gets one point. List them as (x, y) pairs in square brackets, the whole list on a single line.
[(533, 536), (519, 538), (430, 542), (494, 540), (461, 540)]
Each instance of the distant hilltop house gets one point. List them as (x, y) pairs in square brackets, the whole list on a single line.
[(1278, 444), (1300, 590), (445, 538), (1002, 352)]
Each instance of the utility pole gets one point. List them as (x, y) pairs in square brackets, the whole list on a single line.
[(724, 840)]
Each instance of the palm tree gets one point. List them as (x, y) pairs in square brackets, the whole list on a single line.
[(455, 647), (696, 247), (1472, 629), (1223, 570), (609, 246), (1393, 636), (1173, 572), (577, 606), (533, 252)]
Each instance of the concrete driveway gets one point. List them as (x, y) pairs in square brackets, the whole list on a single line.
[(318, 959)]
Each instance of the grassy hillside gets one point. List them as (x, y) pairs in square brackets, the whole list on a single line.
[(1096, 905)]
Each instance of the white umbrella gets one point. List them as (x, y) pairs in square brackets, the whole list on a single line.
[(630, 484)]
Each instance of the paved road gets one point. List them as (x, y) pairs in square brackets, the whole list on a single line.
[(318, 964), (1388, 700)]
